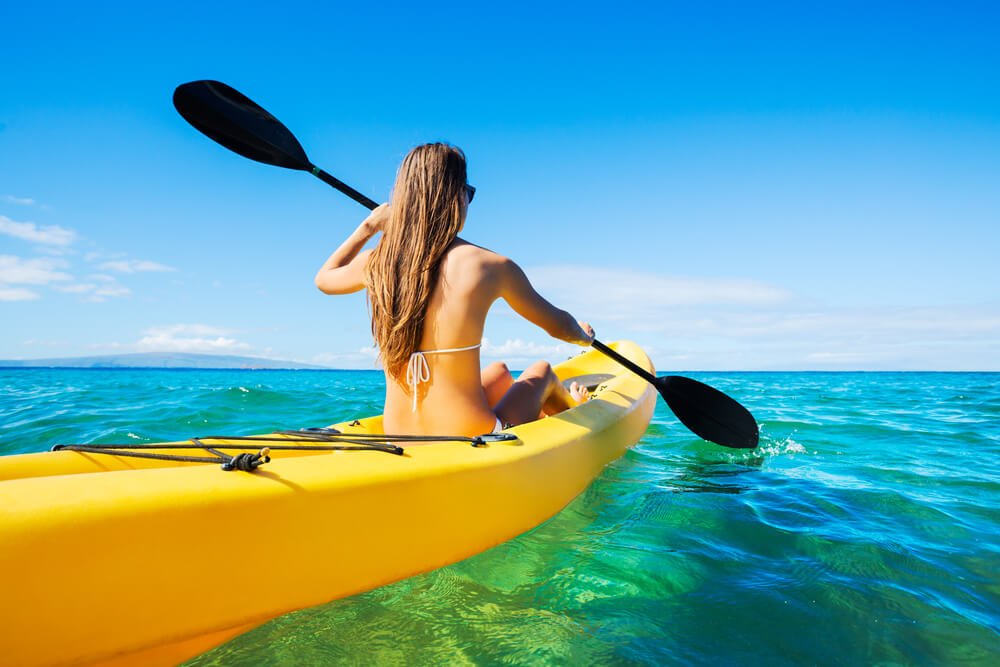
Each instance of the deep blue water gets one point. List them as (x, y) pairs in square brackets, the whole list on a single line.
[(865, 529)]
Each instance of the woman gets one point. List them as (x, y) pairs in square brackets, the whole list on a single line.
[(429, 292)]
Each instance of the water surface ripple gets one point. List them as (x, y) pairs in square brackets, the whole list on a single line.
[(863, 530)]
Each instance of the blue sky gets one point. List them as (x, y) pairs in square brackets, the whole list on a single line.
[(782, 186)]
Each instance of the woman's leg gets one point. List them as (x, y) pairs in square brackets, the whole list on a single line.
[(536, 391), (496, 380)]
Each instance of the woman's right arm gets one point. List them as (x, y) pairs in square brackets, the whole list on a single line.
[(344, 271), (517, 290)]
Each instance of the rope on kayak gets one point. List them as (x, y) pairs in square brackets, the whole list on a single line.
[(249, 461)]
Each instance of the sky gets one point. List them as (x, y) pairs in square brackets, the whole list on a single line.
[(763, 186)]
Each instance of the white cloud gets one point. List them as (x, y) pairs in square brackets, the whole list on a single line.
[(29, 231), (364, 358), (111, 291), (103, 288), (20, 201), (627, 295), (134, 266), (769, 324), (518, 348), (77, 288), (189, 330), (39, 271), (743, 324), (55, 241), (941, 338), (44, 342), (200, 338), (16, 294), (839, 357)]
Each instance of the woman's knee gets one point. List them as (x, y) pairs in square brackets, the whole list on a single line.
[(496, 379), (540, 367), (496, 369), (497, 373), (541, 370)]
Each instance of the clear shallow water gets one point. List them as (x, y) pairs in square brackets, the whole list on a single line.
[(866, 528)]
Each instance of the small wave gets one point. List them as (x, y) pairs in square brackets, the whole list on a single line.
[(768, 448), (786, 446)]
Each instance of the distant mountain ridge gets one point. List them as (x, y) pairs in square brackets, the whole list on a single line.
[(160, 360)]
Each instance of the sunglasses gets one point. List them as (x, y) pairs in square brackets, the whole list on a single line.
[(470, 191)]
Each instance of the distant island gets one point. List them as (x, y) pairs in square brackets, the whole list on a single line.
[(160, 360)]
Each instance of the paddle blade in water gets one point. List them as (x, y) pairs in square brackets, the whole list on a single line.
[(230, 118), (708, 412)]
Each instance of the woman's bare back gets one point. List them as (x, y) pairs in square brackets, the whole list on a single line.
[(452, 399)]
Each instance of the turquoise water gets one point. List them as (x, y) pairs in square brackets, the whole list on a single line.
[(864, 530)]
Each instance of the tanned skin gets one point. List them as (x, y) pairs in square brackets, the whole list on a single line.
[(460, 398)]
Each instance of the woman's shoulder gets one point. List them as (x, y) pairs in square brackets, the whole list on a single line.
[(471, 262), (470, 254)]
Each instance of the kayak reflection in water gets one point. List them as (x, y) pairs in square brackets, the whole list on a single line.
[(429, 292)]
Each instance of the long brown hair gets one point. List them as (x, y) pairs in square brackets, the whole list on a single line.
[(426, 211)]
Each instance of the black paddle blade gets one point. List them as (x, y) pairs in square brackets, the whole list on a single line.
[(708, 412), (232, 119)]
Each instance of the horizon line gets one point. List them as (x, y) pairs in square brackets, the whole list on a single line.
[(325, 369)]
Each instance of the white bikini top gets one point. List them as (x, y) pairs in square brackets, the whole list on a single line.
[(417, 370)]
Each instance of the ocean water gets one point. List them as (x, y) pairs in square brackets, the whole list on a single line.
[(864, 530)]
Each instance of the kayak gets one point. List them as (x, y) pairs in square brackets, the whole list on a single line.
[(113, 559)]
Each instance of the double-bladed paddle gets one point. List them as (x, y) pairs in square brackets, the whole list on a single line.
[(230, 118)]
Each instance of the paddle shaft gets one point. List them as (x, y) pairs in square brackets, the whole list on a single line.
[(638, 370), (343, 187)]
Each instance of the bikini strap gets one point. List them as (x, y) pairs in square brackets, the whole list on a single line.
[(451, 349), (418, 372)]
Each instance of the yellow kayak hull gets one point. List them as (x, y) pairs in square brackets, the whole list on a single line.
[(115, 560)]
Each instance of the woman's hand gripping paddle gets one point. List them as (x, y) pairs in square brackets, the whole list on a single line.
[(230, 118)]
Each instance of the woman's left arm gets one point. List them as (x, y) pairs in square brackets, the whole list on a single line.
[(344, 271)]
